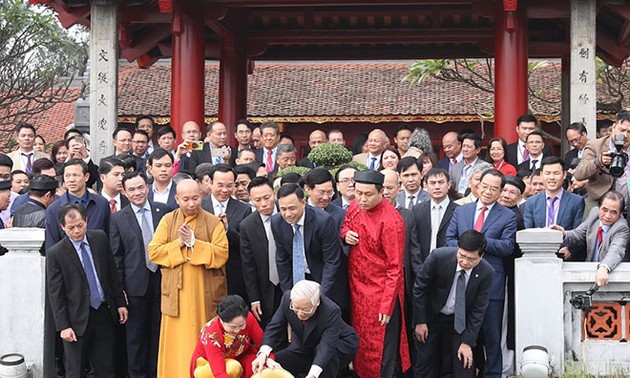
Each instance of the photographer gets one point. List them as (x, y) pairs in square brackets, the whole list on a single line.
[(605, 234), (597, 161)]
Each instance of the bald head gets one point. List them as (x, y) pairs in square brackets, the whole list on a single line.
[(191, 131), (391, 185), (377, 142), (316, 138), (451, 145), (189, 196)]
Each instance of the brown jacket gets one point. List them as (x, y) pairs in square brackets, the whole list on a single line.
[(599, 180)]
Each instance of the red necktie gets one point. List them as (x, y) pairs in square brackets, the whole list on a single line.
[(112, 206), (525, 154), (480, 219), (454, 161), (599, 236), (269, 161)]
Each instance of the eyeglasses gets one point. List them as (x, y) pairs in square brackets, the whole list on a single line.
[(323, 193), (300, 310), (224, 186), (346, 181)]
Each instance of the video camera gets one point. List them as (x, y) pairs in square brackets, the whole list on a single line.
[(584, 301), (619, 158)]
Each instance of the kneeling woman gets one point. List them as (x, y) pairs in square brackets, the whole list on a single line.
[(228, 343)]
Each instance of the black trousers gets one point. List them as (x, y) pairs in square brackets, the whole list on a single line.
[(391, 364), (299, 362), (97, 344), (437, 356), (143, 331)]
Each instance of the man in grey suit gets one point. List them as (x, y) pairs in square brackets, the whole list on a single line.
[(471, 146), (605, 233)]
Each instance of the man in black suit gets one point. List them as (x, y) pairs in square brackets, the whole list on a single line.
[(112, 170), (270, 138), (140, 278), (450, 301), (432, 217), (307, 241), (322, 344), (231, 212), (163, 189), (243, 135), (319, 184), (85, 294), (215, 151), (258, 252), (517, 152)]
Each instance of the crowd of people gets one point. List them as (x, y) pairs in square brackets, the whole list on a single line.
[(199, 259)]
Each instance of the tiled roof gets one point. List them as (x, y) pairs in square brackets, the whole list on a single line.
[(317, 92), (351, 90)]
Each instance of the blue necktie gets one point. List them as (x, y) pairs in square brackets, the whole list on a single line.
[(373, 163), (460, 303), (298, 255), (95, 297), (147, 235)]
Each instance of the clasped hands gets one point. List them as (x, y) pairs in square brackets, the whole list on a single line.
[(185, 234)]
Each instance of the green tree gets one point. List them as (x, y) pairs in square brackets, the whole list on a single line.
[(38, 62)]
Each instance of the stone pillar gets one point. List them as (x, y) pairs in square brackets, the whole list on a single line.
[(22, 278), (188, 65), (510, 80), (565, 106), (232, 82), (103, 77), (539, 296), (583, 75)]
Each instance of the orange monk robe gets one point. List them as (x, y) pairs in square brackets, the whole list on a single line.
[(193, 283)]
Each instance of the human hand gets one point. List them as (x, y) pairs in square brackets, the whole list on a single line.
[(185, 234), (272, 364), (123, 314), (259, 363), (601, 277), (605, 158), (182, 148), (383, 319), (556, 227), (565, 253), (464, 354), (68, 335), (224, 220), (256, 310), (352, 238), (422, 332)]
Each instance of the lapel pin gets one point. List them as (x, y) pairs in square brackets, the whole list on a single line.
[(476, 275), (157, 210)]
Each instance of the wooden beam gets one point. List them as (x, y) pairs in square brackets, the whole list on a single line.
[(144, 43), (146, 60), (624, 13), (212, 50), (70, 16), (609, 50), (145, 14), (356, 36), (320, 3), (547, 10)]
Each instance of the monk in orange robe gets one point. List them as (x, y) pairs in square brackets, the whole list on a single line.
[(376, 233), (191, 247)]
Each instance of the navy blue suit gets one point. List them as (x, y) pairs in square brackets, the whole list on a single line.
[(171, 196), (97, 210), (499, 228), (569, 213), (142, 287), (322, 248)]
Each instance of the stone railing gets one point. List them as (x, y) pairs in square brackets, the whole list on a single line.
[(544, 316), (22, 273)]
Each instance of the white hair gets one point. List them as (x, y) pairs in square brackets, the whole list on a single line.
[(306, 289)]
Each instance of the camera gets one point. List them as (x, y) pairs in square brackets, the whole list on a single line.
[(619, 158), (584, 301)]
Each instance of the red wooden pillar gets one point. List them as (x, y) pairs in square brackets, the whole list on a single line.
[(188, 65), (510, 82), (232, 82)]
